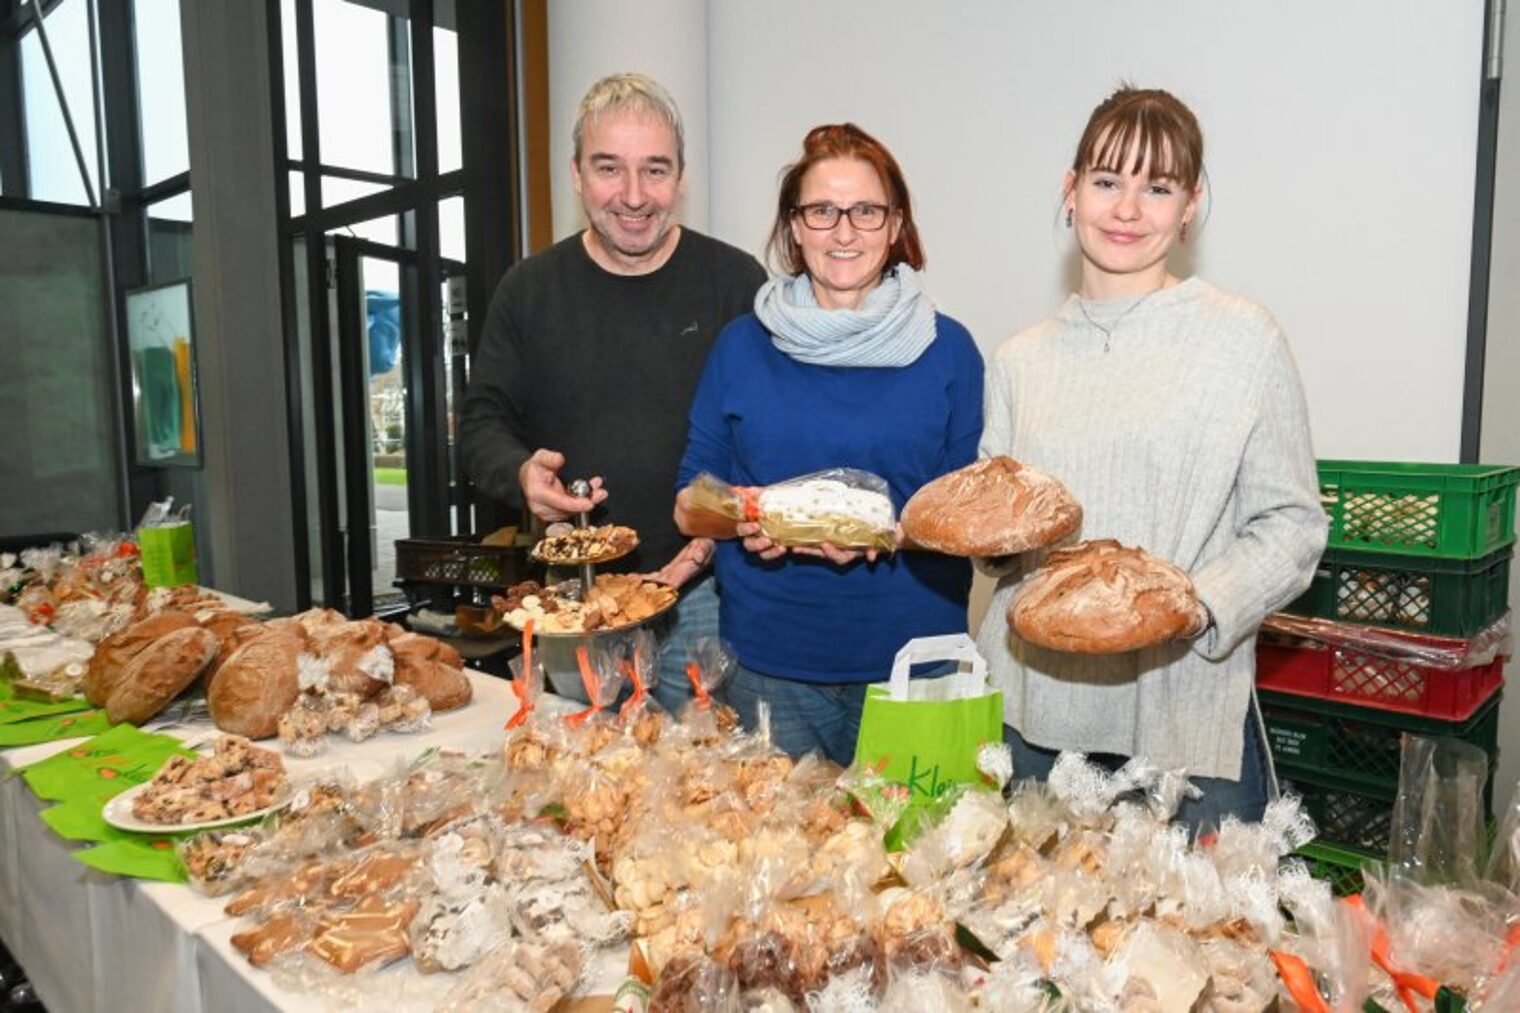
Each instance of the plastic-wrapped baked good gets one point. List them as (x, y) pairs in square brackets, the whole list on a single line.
[(522, 976), (695, 984), (373, 934), (282, 933), (844, 507), (213, 859)]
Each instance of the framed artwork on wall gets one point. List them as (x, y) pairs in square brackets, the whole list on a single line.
[(165, 405)]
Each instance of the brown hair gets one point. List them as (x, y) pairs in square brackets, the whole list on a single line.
[(843, 140), (1162, 130)]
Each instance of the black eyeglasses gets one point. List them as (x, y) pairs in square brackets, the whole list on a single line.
[(865, 217)]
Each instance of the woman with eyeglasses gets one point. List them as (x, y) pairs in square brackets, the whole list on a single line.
[(844, 364), (1174, 413)]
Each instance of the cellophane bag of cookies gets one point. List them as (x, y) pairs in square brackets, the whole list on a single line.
[(641, 715), (845, 507), (709, 663), (695, 983)]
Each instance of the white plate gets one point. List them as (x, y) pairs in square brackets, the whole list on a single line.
[(118, 813)]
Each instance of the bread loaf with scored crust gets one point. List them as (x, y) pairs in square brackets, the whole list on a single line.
[(1101, 597), (258, 684), (114, 653), (160, 673), (993, 507)]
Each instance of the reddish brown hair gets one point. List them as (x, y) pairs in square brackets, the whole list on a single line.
[(1163, 132), (843, 140)]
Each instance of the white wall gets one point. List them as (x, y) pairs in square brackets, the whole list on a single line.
[(1341, 142), (589, 39)]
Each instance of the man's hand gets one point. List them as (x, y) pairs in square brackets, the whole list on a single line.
[(545, 495), (689, 563)]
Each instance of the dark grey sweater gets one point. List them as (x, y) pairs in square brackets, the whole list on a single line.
[(601, 367)]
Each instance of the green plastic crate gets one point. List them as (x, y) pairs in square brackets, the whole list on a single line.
[(1359, 747), (1449, 598), (1339, 866), (1344, 816), (1446, 511)]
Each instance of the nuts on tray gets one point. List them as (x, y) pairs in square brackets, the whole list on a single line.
[(568, 546)]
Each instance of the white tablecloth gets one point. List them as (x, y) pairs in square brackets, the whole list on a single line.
[(91, 941)]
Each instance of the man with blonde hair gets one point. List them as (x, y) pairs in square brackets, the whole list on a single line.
[(592, 349)]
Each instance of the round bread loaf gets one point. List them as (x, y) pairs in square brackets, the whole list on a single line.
[(244, 634), (113, 654), (160, 673), (257, 684), (223, 622), (992, 507), (432, 668), (1101, 597)]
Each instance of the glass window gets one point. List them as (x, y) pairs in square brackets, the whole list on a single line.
[(297, 194), (161, 90), (446, 87), (451, 228), (379, 230), (354, 86), (292, 67), (54, 172), (171, 251)]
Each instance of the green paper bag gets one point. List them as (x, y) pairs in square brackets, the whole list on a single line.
[(924, 734), (51, 729), (137, 856), (168, 554)]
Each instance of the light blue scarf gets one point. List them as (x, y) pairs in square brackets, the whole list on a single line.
[(892, 327)]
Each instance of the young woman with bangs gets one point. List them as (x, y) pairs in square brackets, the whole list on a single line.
[(1174, 413)]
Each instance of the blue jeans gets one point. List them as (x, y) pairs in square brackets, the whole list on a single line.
[(695, 616), (806, 717), (1245, 799)]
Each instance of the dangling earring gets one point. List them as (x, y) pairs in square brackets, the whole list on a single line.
[(1182, 233), (1068, 217)]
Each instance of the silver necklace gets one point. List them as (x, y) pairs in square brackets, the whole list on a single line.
[(1108, 332)]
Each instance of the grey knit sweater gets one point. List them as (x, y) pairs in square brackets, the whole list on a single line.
[(1187, 436)]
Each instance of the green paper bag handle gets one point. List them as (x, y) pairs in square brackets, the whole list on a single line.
[(957, 647)]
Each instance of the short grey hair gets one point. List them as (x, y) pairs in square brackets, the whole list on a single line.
[(630, 93)]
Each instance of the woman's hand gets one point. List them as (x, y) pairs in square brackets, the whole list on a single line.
[(836, 555), (754, 541)]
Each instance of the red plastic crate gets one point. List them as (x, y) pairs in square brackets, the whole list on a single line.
[(1352, 676)]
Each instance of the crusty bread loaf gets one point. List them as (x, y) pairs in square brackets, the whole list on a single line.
[(993, 507), (433, 669), (356, 654), (257, 684), (222, 621), (160, 673), (114, 652), (244, 634), (1101, 597)]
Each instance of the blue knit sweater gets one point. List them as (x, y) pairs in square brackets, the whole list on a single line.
[(761, 417)]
